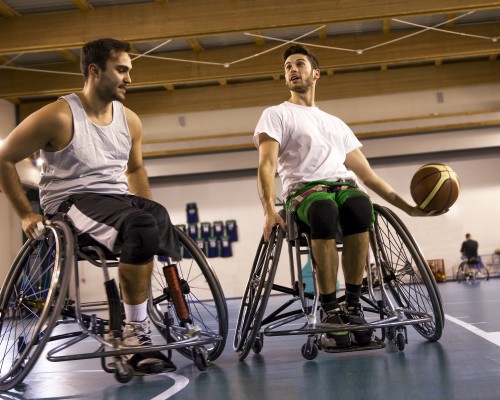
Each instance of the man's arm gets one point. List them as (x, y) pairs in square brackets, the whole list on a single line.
[(268, 156), (356, 162), (136, 173), (35, 132)]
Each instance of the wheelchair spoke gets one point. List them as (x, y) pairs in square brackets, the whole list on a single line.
[(406, 274)]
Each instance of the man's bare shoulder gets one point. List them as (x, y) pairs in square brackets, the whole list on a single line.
[(134, 122), (57, 114)]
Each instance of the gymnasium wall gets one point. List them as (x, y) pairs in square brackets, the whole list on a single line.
[(224, 185)]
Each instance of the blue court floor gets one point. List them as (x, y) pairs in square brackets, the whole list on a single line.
[(463, 364)]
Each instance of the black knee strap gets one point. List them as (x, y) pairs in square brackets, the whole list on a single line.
[(356, 215), (323, 219)]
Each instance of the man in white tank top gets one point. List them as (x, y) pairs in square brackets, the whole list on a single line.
[(319, 161), (94, 172)]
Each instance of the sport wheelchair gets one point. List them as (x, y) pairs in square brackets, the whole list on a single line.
[(471, 269), (400, 290), (186, 305)]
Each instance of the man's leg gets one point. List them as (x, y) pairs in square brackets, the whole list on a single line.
[(327, 261), (356, 218), (134, 282), (139, 242), (322, 220), (354, 257)]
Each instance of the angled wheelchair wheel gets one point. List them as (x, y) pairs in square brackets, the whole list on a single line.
[(482, 272), (254, 302), (406, 272), (461, 272), (204, 297), (30, 301)]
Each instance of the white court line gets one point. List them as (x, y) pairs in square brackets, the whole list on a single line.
[(180, 383), (493, 337)]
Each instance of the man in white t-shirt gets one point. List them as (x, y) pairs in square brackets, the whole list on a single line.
[(319, 161)]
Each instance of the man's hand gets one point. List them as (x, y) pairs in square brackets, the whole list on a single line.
[(270, 221), (33, 226)]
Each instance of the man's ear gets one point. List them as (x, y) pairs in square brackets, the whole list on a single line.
[(94, 70), (317, 73)]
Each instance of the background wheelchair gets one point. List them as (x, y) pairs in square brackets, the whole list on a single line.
[(471, 269), (186, 305), (399, 289)]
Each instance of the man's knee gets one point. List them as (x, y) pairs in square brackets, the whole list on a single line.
[(140, 239), (323, 219), (356, 215)]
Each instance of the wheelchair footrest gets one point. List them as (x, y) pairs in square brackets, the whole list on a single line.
[(374, 345)]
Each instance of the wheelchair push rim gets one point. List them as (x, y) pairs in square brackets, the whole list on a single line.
[(30, 302)]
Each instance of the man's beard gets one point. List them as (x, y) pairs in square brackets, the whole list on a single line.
[(304, 86), (108, 94)]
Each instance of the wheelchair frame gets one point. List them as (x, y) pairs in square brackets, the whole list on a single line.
[(408, 294), (470, 270), (34, 301)]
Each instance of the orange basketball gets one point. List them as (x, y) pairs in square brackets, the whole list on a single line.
[(434, 187)]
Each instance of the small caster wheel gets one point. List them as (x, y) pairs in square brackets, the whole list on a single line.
[(108, 365), (309, 350), (258, 344), (400, 341), (124, 373), (390, 333), (200, 358)]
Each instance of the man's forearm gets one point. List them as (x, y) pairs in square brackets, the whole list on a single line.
[(266, 190), (11, 185), (138, 183)]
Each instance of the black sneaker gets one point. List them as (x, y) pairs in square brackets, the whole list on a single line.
[(338, 338), (355, 316)]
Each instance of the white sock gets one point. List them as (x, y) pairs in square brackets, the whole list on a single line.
[(136, 312)]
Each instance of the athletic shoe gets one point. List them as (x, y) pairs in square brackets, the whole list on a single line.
[(355, 316), (151, 362), (337, 338)]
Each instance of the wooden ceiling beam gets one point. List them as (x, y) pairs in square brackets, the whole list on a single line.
[(153, 21), (337, 86), (149, 72), (83, 5), (8, 11)]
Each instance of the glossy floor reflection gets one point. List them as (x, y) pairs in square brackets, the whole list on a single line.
[(464, 364)]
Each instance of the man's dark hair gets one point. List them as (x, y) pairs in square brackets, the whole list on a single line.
[(298, 49), (99, 52)]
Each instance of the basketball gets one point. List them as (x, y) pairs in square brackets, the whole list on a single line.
[(435, 187)]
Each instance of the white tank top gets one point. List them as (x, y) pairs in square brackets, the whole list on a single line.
[(94, 161)]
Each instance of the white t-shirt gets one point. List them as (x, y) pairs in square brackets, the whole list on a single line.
[(313, 144)]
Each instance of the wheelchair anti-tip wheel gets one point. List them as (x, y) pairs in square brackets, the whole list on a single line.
[(31, 299)]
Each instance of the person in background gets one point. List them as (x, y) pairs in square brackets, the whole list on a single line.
[(469, 252)]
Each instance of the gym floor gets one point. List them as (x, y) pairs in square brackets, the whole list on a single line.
[(463, 364)]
